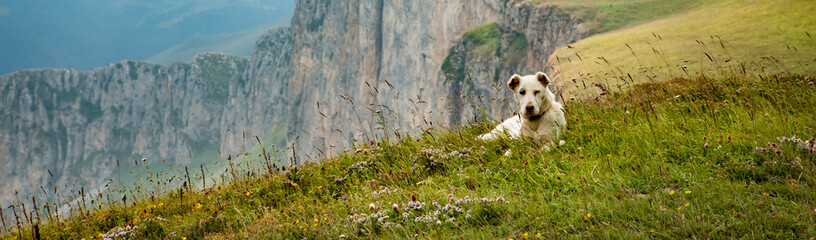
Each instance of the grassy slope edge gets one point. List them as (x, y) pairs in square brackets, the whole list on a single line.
[(688, 157), (760, 37)]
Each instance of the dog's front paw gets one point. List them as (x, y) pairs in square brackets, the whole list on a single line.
[(486, 137)]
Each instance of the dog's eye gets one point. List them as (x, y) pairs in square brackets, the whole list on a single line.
[(536, 92), (522, 92)]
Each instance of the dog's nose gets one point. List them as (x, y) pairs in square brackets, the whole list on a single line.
[(529, 108)]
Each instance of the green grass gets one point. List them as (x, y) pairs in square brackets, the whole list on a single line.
[(485, 38), (684, 158), (760, 36), (607, 15)]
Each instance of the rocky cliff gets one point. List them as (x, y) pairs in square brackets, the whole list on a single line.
[(343, 73), (76, 125)]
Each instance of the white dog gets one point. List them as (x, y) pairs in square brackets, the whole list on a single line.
[(540, 117)]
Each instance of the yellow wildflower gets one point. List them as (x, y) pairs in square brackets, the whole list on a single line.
[(671, 193), (766, 194), (100, 235), (161, 204), (198, 206), (183, 238), (687, 204), (538, 234), (294, 184), (592, 226), (688, 192), (525, 234), (281, 225)]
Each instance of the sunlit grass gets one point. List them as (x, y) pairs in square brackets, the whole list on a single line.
[(762, 36)]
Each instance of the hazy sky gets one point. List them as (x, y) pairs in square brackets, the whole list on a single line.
[(83, 34)]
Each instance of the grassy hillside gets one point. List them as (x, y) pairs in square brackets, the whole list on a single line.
[(757, 36), (685, 124), (606, 15), (685, 158)]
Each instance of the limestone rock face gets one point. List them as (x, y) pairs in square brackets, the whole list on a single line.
[(77, 124), (257, 103), (365, 68)]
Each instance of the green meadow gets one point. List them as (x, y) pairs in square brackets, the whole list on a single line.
[(685, 122)]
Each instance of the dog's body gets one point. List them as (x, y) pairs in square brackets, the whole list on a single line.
[(540, 117)]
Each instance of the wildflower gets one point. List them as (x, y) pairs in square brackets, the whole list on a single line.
[(687, 204), (198, 206), (671, 193), (183, 238), (294, 184), (538, 234), (592, 226), (687, 192), (280, 225), (525, 234), (161, 204), (678, 208), (766, 194), (100, 235)]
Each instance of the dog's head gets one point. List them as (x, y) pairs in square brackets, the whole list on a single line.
[(532, 94)]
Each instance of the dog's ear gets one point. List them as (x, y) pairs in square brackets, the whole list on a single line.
[(514, 82), (542, 78)]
